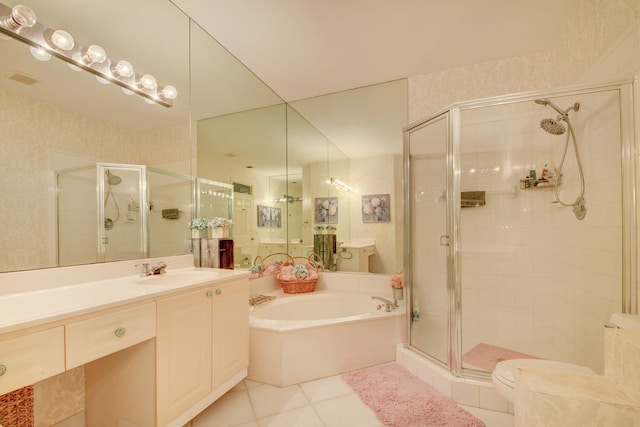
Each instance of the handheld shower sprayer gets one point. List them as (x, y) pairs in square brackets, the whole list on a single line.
[(555, 127)]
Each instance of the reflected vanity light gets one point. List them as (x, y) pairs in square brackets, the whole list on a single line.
[(20, 22), (339, 184)]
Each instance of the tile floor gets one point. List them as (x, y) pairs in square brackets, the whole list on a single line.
[(328, 402)]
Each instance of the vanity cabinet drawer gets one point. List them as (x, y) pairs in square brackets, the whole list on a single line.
[(31, 358), (101, 335)]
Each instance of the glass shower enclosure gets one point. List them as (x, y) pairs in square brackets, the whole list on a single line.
[(139, 212), (498, 267)]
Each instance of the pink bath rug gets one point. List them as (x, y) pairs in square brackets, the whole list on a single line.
[(401, 399), (486, 356)]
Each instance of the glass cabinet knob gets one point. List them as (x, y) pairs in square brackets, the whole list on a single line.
[(120, 331)]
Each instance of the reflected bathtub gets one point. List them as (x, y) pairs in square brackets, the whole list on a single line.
[(298, 338)]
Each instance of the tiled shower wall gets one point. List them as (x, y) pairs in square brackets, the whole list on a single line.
[(600, 43), (534, 278)]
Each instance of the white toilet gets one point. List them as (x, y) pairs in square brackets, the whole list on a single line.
[(503, 376)]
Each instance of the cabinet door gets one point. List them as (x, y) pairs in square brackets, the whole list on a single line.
[(183, 349), (230, 330)]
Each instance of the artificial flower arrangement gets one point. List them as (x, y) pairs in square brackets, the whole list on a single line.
[(218, 222), (397, 280), (198, 224), (203, 223), (397, 285)]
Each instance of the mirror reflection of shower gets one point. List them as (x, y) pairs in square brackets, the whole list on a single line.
[(555, 127), (111, 179)]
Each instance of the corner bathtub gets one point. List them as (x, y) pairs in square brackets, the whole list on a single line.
[(301, 337)]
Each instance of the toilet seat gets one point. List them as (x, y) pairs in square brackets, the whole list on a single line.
[(504, 373)]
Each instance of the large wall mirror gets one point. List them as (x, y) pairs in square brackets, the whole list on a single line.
[(91, 174)]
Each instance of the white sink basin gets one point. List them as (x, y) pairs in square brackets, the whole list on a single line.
[(179, 277)]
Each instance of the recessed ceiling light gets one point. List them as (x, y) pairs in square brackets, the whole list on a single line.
[(249, 167)]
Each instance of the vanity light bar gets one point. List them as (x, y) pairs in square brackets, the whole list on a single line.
[(339, 184), (20, 22)]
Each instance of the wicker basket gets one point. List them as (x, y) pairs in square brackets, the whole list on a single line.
[(300, 285), (261, 264)]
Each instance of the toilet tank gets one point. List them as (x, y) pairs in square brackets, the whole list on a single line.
[(354, 255)]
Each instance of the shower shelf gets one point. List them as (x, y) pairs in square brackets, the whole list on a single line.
[(525, 184)]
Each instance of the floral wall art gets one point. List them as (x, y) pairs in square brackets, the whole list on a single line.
[(376, 208), (268, 216), (326, 210)]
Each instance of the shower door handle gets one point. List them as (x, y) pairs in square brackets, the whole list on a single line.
[(444, 240), (105, 240)]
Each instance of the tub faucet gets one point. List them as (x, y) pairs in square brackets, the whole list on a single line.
[(389, 306)]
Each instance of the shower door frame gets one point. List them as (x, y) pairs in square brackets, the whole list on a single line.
[(454, 270), (143, 190)]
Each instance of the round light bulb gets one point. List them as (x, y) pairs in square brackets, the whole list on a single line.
[(123, 69), (102, 80), (148, 82), (74, 67), (40, 53), (169, 92), (127, 91), (149, 101), (21, 16), (62, 40), (94, 55)]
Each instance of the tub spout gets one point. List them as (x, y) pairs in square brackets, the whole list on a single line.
[(389, 305)]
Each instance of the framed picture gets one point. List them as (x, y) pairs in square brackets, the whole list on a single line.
[(269, 216), (276, 217), (376, 208), (326, 210)]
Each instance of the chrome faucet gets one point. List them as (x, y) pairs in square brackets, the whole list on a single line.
[(388, 305), (150, 270)]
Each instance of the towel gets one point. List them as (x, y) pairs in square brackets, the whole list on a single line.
[(170, 213), (472, 199)]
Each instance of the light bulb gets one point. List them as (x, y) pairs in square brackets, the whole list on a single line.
[(102, 80), (149, 101), (148, 82), (123, 69), (40, 53), (21, 16), (94, 55), (127, 91), (74, 67), (169, 92), (62, 40)]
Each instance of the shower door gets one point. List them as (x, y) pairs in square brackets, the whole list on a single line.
[(122, 212), (426, 153)]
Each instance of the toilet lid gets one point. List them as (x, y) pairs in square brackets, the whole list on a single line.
[(505, 371)]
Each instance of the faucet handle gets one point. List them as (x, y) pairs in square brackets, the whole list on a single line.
[(145, 269)]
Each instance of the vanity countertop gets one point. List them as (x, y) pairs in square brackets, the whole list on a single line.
[(32, 307)]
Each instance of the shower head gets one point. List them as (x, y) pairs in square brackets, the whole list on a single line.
[(113, 179), (554, 127)]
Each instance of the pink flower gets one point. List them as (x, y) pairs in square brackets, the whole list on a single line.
[(397, 280), (368, 208), (332, 210)]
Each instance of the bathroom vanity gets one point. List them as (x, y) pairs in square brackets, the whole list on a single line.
[(156, 351)]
